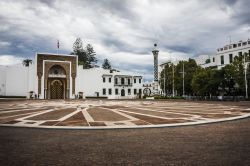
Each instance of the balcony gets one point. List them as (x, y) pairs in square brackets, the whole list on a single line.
[(125, 84)]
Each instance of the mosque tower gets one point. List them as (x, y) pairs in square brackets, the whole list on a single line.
[(155, 54)]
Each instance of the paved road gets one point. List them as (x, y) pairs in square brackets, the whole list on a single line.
[(225, 143)]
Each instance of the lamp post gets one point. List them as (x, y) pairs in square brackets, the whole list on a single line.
[(245, 69), (246, 86), (173, 79), (183, 79), (164, 80)]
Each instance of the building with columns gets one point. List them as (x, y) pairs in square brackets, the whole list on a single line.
[(224, 55)]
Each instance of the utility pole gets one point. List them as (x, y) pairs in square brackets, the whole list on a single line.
[(173, 79), (245, 69), (183, 81), (164, 80)]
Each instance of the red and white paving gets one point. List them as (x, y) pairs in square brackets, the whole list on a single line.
[(98, 114)]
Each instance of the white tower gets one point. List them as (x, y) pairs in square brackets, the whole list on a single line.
[(155, 54)]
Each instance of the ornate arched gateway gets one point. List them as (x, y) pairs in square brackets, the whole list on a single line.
[(56, 76), (57, 82), (57, 89)]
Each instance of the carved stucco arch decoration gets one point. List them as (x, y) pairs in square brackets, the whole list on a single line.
[(49, 65)]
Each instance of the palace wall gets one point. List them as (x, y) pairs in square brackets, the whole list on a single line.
[(14, 80)]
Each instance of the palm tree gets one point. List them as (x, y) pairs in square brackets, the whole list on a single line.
[(26, 63)]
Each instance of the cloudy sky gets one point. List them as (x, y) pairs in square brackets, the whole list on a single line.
[(123, 31)]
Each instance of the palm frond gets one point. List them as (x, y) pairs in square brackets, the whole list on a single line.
[(27, 62)]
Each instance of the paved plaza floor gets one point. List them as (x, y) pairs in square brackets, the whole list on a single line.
[(225, 143), (96, 114)]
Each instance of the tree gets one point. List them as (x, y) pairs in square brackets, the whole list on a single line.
[(26, 63), (234, 75), (90, 55), (106, 64), (85, 56)]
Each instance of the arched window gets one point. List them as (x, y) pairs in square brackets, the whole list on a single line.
[(122, 81)]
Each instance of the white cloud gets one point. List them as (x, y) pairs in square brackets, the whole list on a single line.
[(10, 60), (4, 44)]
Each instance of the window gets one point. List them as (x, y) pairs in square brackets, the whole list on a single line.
[(240, 54), (222, 60), (213, 59), (104, 91), (110, 91), (116, 91), (129, 81), (239, 44), (135, 92), (129, 91), (139, 80), (245, 43), (234, 45), (230, 47), (116, 80), (230, 58), (248, 42), (122, 81), (109, 79), (134, 80), (103, 79), (139, 91), (248, 53)]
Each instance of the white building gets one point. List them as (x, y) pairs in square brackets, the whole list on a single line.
[(53, 76), (110, 83), (224, 55)]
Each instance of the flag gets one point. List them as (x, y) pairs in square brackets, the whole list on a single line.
[(57, 44)]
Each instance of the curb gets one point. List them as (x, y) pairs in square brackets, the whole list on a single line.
[(132, 127)]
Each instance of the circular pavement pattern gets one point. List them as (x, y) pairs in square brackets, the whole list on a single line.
[(106, 114)]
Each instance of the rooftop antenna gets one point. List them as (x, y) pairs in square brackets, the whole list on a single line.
[(229, 39), (249, 34)]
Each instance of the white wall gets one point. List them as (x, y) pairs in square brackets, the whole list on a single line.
[(88, 81), (14, 80), (2, 80)]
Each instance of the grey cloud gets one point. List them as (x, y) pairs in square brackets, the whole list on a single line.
[(230, 2), (114, 7), (129, 27)]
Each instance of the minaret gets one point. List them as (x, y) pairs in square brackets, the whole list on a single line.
[(155, 54)]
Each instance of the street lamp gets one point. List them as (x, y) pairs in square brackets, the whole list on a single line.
[(245, 69), (183, 79)]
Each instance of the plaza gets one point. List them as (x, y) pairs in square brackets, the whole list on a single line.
[(31, 132), (108, 114)]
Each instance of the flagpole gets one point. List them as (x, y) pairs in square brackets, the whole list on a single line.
[(57, 46)]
